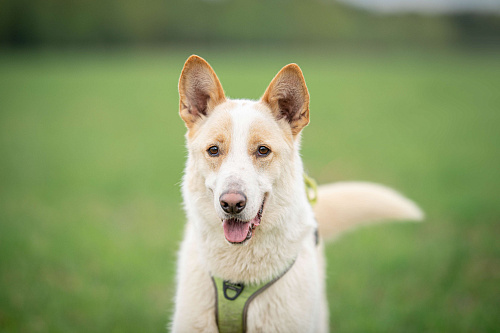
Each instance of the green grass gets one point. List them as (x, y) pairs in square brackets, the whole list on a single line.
[(92, 152)]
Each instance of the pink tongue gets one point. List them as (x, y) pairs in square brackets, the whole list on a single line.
[(236, 232)]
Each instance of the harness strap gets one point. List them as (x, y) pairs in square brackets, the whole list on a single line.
[(311, 189), (232, 301)]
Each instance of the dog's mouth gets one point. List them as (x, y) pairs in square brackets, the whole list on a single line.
[(237, 231)]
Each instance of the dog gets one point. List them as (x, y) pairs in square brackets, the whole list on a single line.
[(249, 219)]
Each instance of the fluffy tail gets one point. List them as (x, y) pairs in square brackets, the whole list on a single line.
[(343, 206)]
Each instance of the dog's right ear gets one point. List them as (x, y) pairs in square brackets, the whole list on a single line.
[(200, 90)]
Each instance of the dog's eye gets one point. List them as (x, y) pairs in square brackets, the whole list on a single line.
[(213, 151), (263, 151)]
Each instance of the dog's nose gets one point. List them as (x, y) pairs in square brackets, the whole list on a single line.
[(233, 202)]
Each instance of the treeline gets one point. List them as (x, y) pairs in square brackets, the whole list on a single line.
[(94, 22)]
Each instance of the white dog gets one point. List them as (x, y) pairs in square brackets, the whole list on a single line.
[(250, 260)]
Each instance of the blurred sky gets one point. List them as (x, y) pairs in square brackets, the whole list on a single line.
[(428, 6)]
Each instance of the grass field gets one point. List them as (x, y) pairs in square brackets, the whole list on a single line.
[(92, 152)]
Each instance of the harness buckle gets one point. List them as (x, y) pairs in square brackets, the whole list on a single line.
[(237, 288)]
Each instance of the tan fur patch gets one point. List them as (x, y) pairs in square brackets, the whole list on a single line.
[(286, 132), (217, 133), (195, 129), (259, 135), (265, 133)]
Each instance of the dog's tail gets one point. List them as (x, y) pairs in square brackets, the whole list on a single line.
[(345, 205)]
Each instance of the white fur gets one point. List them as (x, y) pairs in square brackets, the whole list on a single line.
[(297, 301), (237, 170)]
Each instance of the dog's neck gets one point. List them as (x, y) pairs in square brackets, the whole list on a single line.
[(286, 224)]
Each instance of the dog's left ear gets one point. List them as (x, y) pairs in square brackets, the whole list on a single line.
[(288, 97), (200, 90)]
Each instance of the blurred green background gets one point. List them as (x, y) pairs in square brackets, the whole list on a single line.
[(92, 152)]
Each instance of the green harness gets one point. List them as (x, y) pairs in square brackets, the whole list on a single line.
[(233, 299)]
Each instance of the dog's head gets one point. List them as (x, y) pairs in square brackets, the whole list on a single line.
[(243, 154)]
